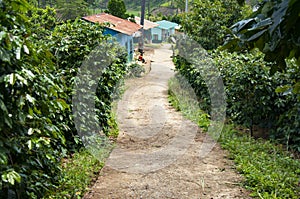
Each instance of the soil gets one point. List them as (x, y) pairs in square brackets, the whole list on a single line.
[(157, 151)]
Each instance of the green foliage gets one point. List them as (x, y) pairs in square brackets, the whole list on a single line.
[(180, 4), (117, 8), (39, 61), (252, 99), (272, 29), (250, 89), (135, 70), (71, 9), (77, 42), (207, 21), (270, 172), (42, 17), (79, 171), (71, 42), (182, 98), (30, 143), (136, 4)]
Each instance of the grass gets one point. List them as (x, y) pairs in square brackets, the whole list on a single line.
[(134, 12), (153, 45), (79, 172), (166, 4), (270, 172), (129, 11), (183, 98), (96, 11)]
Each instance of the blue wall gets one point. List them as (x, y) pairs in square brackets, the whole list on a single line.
[(163, 31), (124, 40), (158, 32)]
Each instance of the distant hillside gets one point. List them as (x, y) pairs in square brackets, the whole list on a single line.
[(154, 6), (136, 4)]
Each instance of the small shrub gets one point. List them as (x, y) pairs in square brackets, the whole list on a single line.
[(78, 171), (135, 70), (270, 172)]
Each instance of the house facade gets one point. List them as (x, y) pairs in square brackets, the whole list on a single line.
[(148, 26), (163, 31), (122, 29)]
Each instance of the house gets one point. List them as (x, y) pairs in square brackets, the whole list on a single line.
[(122, 29), (148, 25), (163, 31)]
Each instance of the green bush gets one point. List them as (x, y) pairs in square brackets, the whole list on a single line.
[(135, 70), (30, 143), (252, 99), (39, 62), (269, 170), (82, 45), (208, 20)]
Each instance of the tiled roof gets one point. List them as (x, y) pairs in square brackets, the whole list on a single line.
[(147, 24), (121, 25), (166, 24)]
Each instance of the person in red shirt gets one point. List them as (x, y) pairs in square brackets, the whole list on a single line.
[(141, 58)]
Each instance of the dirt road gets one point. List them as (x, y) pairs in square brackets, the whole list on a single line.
[(157, 152)]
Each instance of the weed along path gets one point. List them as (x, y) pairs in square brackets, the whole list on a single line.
[(157, 151)]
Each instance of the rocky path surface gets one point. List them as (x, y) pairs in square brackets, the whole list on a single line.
[(157, 152)]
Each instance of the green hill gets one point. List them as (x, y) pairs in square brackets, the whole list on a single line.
[(136, 4)]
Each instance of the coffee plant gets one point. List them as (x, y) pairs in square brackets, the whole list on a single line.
[(252, 92), (40, 59), (208, 21)]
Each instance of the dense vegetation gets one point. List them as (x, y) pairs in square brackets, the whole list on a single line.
[(40, 59), (208, 20), (261, 83), (257, 97), (272, 29), (121, 8), (100, 4), (269, 170), (252, 99), (136, 4)]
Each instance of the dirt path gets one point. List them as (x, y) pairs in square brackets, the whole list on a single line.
[(157, 152)]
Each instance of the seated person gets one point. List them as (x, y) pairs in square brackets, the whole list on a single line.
[(141, 58)]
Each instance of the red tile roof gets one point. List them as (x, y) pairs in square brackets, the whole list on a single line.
[(121, 25)]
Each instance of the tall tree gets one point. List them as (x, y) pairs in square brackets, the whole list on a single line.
[(117, 8), (180, 4), (72, 9)]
